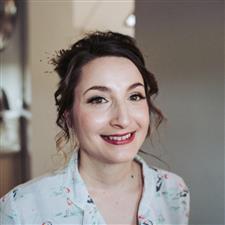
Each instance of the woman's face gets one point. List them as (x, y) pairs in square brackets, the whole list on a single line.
[(110, 113)]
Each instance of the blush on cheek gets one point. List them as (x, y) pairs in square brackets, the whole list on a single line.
[(91, 120), (141, 113), (97, 120)]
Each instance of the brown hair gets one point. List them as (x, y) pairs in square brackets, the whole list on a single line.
[(68, 64)]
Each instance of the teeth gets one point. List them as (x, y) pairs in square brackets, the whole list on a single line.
[(116, 138)]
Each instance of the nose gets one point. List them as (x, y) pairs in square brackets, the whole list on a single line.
[(120, 116)]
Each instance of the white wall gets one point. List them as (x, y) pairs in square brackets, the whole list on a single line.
[(102, 15), (183, 42)]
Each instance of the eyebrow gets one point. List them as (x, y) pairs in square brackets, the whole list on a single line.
[(107, 89)]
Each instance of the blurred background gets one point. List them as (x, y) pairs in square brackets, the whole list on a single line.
[(183, 44)]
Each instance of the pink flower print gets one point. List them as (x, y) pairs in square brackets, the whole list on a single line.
[(166, 176), (47, 223), (144, 221), (69, 202), (67, 190)]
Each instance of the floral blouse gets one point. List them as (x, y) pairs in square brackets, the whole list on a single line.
[(61, 197)]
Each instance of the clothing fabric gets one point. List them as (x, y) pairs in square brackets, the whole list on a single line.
[(61, 197)]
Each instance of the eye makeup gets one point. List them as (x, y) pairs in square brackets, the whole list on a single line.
[(137, 97), (96, 100), (100, 100)]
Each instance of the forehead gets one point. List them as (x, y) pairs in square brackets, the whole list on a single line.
[(109, 71)]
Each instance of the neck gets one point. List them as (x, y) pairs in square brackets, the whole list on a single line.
[(105, 176)]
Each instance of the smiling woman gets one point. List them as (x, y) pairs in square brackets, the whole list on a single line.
[(104, 102), (110, 104)]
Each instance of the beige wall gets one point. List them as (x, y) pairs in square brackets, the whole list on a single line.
[(51, 26)]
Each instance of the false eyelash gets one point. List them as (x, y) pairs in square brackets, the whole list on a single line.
[(94, 98), (139, 95)]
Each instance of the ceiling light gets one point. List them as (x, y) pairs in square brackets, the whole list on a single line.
[(130, 20)]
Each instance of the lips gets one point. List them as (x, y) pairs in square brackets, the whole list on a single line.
[(119, 139)]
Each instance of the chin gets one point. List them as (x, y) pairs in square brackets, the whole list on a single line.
[(122, 157)]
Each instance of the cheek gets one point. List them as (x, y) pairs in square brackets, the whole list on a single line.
[(86, 120), (142, 115)]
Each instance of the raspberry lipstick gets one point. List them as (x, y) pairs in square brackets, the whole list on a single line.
[(119, 139)]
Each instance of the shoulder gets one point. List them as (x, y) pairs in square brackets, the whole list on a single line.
[(173, 195), (174, 192), (26, 195), (39, 184), (169, 181), (169, 193), (163, 180)]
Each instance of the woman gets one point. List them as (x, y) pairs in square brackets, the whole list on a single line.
[(104, 101)]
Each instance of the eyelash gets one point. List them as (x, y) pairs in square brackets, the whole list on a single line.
[(95, 99), (140, 96)]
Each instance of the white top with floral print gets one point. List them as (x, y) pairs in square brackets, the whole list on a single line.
[(61, 197)]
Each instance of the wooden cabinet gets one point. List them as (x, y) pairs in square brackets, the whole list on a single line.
[(10, 171)]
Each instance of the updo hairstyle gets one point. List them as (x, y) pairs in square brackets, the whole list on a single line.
[(69, 63)]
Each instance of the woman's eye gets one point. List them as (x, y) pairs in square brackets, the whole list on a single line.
[(137, 97), (97, 100)]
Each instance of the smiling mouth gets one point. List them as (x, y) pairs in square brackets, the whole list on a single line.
[(119, 139)]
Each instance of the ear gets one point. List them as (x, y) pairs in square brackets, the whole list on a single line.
[(68, 117)]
